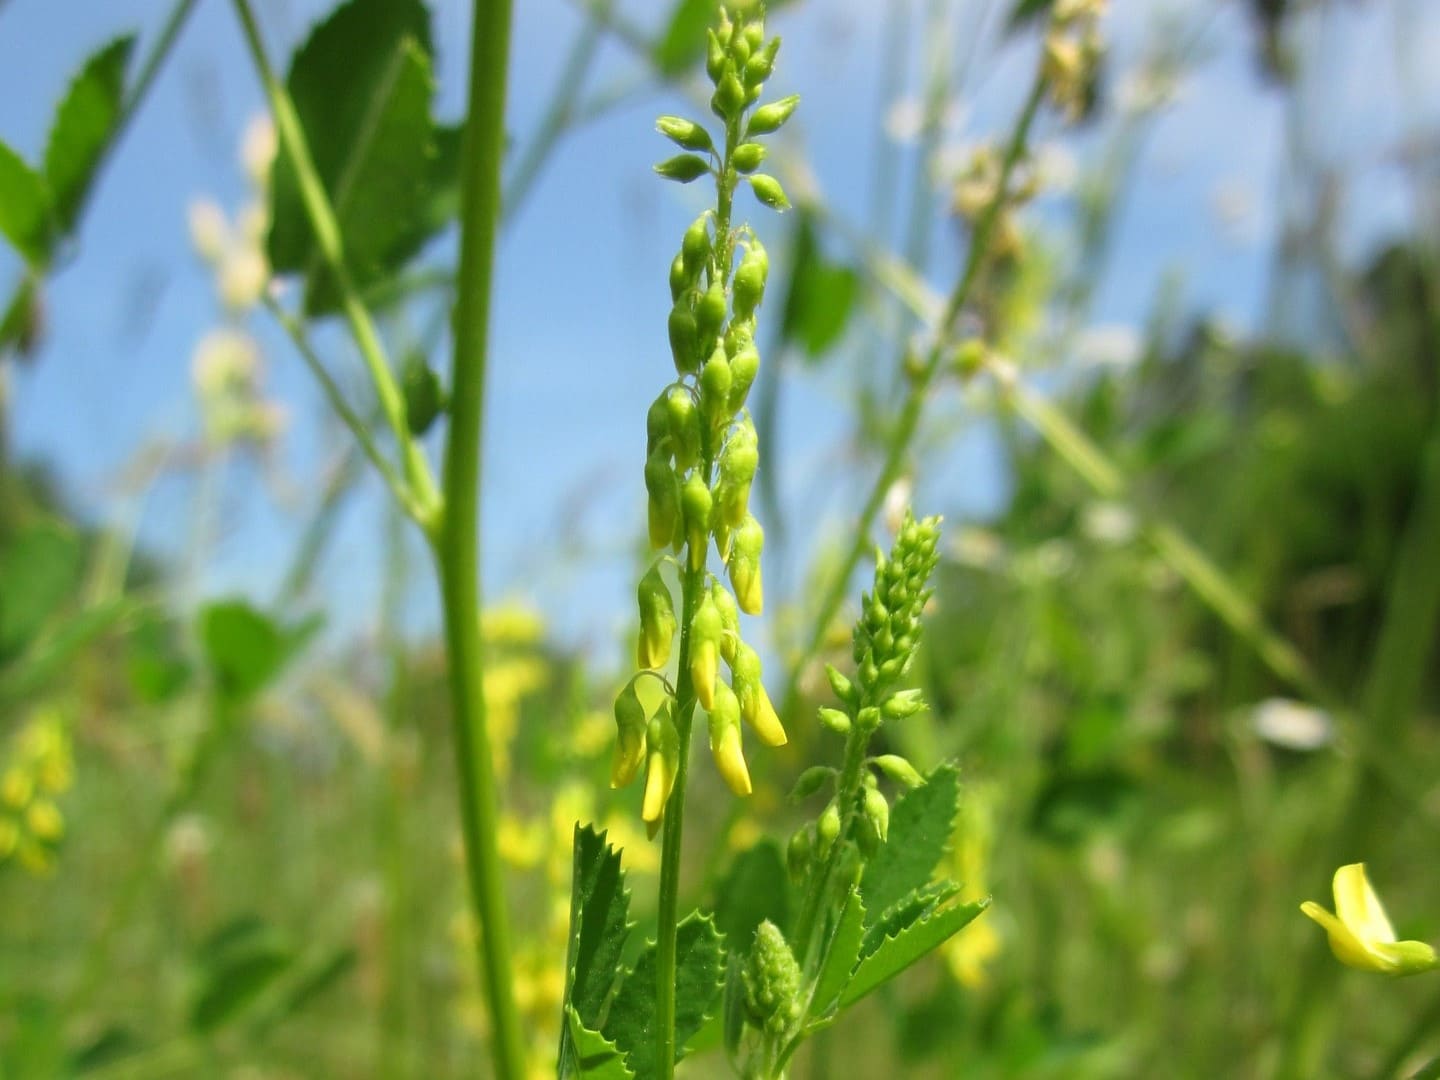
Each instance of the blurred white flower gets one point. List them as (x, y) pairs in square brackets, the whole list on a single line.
[(1292, 725), (1109, 523), (904, 120), (1114, 345), (242, 277), (209, 231), (1056, 168), (897, 501), (258, 147)]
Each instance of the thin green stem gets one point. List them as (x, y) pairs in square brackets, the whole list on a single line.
[(922, 376), (318, 208), (457, 542)]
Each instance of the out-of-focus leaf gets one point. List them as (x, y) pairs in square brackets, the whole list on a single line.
[(424, 396), (915, 941), (443, 204), (920, 826), (24, 208), (595, 1057), (39, 568), (599, 905), (1072, 806), (49, 657), (683, 42), (237, 963), (155, 663), (85, 123), (756, 888), (22, 322), (362, 87), (699, 971), (1028, 11), (246, 649), (309, 984), (819, 296), (109, 1046)]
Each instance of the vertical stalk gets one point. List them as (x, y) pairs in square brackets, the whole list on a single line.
[(457, 543)]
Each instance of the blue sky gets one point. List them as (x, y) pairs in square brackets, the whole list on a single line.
[(579, 334)]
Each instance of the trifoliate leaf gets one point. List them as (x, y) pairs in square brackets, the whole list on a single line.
[(599, 906), (85, 123), (895, 954), (920, 826)]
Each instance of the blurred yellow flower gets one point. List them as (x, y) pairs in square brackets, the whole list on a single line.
[(1360, 932)]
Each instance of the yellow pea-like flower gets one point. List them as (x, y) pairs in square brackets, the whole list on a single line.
[(1360, 932)]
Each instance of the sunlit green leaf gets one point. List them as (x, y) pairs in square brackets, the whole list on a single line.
[(594, 1057), (920, 825), (39, 568), (24, 208), (85, 123), (897, 953), (599, 904), (819, 297)]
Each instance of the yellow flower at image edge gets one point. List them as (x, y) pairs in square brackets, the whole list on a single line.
[(1360, 932)]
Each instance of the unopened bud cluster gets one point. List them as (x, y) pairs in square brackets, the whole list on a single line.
[(1073, 51), (772, 981), (39, 769), (886, 638), (701, 447)]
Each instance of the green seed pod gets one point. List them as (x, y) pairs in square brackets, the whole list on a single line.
[(827, 828), (630, 728), (695, 508), (664, 765), (738, 462), (835, 720), (683, 168), (770, 118), (684, 338), (877, 813), (729, 96), (725, 741), (657, 620), (706, 630), (810, 782), (903, 704), (680, 279), (750, 278), (799, 852), (773, 983), (683, 422), (657, 426), (714, 56), (899, 770), (663, 487), (843, 687), (729, 621), (744, 566), (695, 246), (761, 63), (748, 156), (710, 312), (744, 366), (686, 134), (768, 190), (715, 388), (424, 396)]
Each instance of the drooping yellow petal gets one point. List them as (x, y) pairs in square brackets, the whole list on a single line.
[(1358, 907), (1346, 947)]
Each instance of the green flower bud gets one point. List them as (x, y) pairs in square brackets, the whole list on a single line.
[(755, 705), (706, 630), (695, 246), (657, 620), (729, 96), (773, 982), (868, 718), (663, 766), (684, 338), (715, 388), (630, 728), (738, 462), (657, 425), (835, 720), (714, 56), (739, 334), (755, 33), (761, 63), (770, 118), (683, 423), (899, 770), (748, 156), (725, 742), (744, 566), (710, 312), (750, 278), (827, 828), (903, 704), (768, 190), (424, 396), (680, 279), (683, 168), (695, 506), (729, 621), (877, 813), (744, 366), (811, 781), (799, 852), (663, 487), (686, 134), (843, 687), (739, 50)]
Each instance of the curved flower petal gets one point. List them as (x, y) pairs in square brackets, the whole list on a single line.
[(1348, 949), (1359, 908)]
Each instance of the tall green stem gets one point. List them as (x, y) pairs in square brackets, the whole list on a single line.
[(457, 545)]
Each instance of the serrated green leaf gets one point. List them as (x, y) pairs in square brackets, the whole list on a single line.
[(699, 971), (85, 123), (24, 208), (914, 907), (819, 297), (599, 907), (842, 956), (917, 940), (39, 568), (246, 649), (594, 1057), (733, 1005), (362, 87), (921, 822), (756, 888)]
